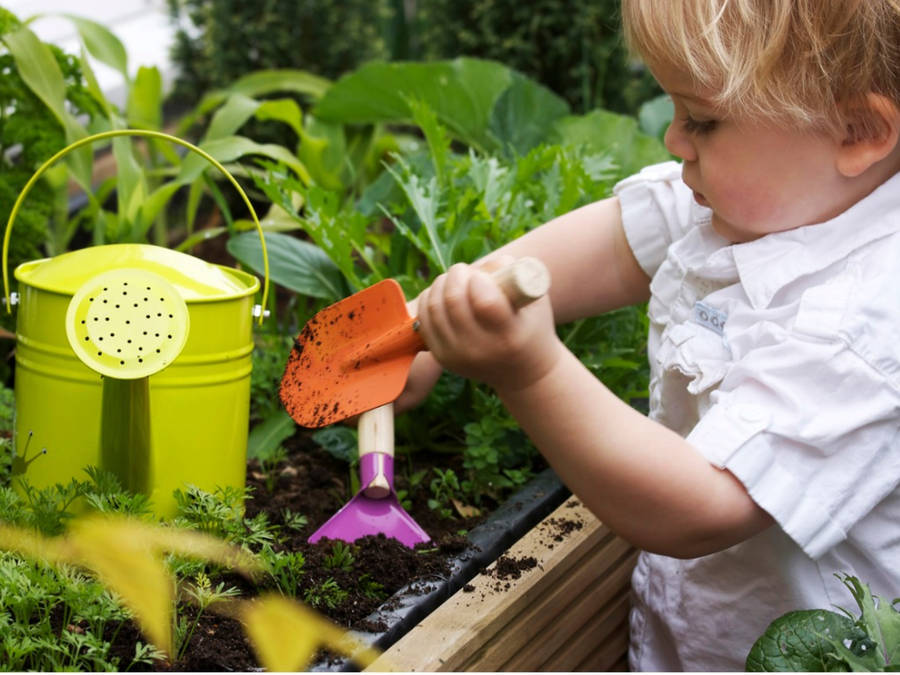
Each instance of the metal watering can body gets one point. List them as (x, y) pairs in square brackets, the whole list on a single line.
[(184, 421)]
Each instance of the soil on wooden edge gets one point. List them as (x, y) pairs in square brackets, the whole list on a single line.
[(313, 483)]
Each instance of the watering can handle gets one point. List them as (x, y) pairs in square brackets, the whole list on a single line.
[(147, 134)]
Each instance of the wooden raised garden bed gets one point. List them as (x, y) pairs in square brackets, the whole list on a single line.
[(557, 600)]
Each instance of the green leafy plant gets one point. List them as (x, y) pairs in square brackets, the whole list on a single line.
[(269, 356), (325, 594), (202, 595), (32, 593), (220, 514), (340, 558), (822, 640), (294, 521), (286, 569), (63, 598), (371, 588), (43, 92), (444, 489)]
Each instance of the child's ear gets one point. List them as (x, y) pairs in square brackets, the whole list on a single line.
[(872, 131)]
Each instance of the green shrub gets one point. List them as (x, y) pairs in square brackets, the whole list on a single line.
[(230, 38), (573, 47)]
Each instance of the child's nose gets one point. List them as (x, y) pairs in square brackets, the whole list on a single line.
[(679, 143)]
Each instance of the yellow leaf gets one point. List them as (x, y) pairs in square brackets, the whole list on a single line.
[(126, 561), (205, 547), (286, 634), (127, 556), (466, 510), (31, 544)]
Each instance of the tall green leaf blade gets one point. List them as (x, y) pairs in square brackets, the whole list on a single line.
[(40, 71), (293, 263), (231, 148), (263, 82), (131, 187), (461, 92), (101, 43), (283, 110), (323, 150), (144, 105), (231, 116), (157, 200)]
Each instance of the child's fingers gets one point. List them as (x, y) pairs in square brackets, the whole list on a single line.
[(488, 303), (432, 314), (457, 307)]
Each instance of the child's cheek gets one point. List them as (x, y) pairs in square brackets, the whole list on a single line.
[(755, 208)]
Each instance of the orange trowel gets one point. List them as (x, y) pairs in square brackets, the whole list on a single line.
[(355, 355)]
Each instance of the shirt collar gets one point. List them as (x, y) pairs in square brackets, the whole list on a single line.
[(769, 263)]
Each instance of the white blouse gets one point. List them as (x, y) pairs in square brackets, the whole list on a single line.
[(779, 360)]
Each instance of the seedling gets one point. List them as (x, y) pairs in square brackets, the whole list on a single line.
[(341, 557)]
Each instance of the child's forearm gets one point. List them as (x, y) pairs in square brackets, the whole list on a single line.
[(641, 479), (603, 275)]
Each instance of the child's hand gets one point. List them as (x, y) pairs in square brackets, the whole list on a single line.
[(471, 328)]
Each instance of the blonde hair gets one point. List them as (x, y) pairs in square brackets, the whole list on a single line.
[(790, 61)]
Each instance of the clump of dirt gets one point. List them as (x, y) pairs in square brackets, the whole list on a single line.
[(507, 568), (557, 529), (512, 568)]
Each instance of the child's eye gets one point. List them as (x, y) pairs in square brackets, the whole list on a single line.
[(698, 127)]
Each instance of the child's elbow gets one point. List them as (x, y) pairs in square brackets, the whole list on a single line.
[(704, 538)]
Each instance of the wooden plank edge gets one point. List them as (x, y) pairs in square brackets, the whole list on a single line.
[(529, 637), (448, 634)]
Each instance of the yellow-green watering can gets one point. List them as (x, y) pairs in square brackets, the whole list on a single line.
[(133, 358)]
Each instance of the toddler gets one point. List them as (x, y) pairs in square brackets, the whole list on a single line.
[(770, 257)]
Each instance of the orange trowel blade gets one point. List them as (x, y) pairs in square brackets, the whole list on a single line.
[(351, 357)]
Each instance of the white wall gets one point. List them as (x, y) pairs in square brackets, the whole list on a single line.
[(143, 26)]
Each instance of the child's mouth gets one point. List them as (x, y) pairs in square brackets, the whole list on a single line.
[(700, 199)]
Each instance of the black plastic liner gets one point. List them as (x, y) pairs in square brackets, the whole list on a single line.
[(412, 603)]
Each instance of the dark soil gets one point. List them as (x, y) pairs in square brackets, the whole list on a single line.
[(313, 483)]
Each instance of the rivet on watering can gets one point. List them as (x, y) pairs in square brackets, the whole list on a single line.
[(258, 310), (13, 299)]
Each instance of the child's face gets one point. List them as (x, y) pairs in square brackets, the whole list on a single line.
[(755, 177)]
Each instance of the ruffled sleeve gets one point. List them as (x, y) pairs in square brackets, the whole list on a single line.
[(657, 210)]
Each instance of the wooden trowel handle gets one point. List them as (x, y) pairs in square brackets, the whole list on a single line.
[(376, 434), (523, 281)]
